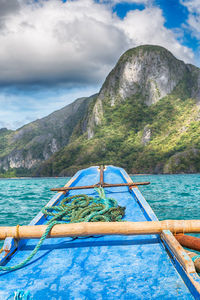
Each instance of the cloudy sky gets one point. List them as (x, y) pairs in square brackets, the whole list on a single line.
[(54, 51)]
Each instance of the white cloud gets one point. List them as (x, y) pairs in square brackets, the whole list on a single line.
[(51, 41), (194, 24), (8, 7), (147, 27), (75, 42), (193, 21), (127, 1), (192, 5)]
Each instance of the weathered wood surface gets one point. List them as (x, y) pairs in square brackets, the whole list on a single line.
[(102, 228), (178, 251), (188, 241), (197, 260), (63, 189)]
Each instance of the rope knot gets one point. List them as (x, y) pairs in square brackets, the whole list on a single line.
[(75, 209), (17, 235)]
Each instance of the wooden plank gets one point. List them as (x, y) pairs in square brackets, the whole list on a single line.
[(178, 251), (105, 185), (193, 277), (195, 280), (101, 176), (196, 261)]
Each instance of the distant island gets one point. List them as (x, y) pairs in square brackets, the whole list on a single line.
[(145, 119)]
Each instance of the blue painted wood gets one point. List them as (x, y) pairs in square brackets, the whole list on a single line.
[(106, 267)]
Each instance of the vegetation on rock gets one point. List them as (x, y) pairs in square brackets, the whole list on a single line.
[(158, 137)]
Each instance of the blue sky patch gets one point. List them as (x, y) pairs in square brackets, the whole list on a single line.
[(122, 9), (69, 47)]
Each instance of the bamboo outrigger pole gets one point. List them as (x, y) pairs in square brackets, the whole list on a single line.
[(101, 228), (188, 241)]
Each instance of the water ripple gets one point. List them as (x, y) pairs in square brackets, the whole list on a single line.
[(170, 196)]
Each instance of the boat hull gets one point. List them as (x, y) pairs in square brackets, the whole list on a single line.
[(103, 267)]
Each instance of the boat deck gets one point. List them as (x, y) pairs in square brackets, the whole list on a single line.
[(106, 267)]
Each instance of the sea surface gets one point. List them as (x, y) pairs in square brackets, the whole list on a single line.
[(170, 196)]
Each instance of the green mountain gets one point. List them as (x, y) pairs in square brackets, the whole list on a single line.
[(21, 151), (145, 118)]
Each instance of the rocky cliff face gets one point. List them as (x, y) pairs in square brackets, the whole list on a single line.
[(151, 72), (30, 145), (145, 118)]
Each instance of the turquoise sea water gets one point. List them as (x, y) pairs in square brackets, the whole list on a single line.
[(170, 196), (173, 196)]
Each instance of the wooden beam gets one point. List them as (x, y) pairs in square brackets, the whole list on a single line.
[(178, 251), (101, 176), (188, 241), (197, 260), (63, 189), (101, 228)]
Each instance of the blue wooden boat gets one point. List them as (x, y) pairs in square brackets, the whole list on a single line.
[(103, 267)]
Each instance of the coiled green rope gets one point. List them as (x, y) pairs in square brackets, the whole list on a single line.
[(74, 209)]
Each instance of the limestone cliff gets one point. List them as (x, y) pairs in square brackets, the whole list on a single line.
[(146, 118), (35, 142), (149, 71)]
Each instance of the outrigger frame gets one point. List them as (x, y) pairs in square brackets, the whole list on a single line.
[(181, 260), (100, 184)]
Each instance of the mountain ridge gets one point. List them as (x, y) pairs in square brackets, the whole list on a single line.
[(37, 141), (123, 80), (145, 118)]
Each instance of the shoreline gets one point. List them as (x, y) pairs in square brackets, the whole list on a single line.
[(59, 177)]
